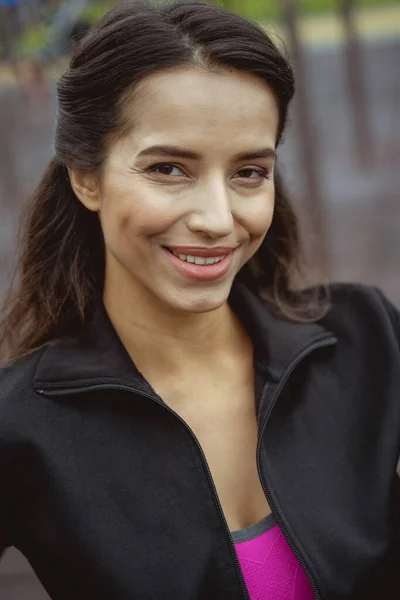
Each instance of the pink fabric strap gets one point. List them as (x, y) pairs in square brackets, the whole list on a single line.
[(270, 568)]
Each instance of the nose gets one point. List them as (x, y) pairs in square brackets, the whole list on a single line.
[(212, 214)]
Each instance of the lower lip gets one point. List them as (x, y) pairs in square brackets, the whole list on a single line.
[(201, 272)]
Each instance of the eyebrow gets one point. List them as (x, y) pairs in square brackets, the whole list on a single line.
[(177, 152)]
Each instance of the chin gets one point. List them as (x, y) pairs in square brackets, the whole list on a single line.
[(199, 301)]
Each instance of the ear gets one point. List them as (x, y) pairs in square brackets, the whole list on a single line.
[(86, 189)]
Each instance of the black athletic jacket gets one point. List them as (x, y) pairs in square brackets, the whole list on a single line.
[(107, 492)]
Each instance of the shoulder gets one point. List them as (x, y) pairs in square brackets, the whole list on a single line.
[(21, 410), (16, 390), (357, 293), (17, 412), (362, 311), (350, 299)]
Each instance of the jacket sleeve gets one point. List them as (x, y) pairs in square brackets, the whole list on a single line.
[(5, 505), (393, 313), (4, 534)]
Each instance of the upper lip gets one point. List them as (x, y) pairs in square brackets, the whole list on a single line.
[(202, 251)]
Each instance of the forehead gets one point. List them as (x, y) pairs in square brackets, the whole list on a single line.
[(197, 108)]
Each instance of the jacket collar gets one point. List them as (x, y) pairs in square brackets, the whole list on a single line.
[(277, 340), (97, 355)]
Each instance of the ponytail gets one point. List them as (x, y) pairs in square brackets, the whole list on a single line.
[(59, 272)]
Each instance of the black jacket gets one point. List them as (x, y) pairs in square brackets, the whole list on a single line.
[(107, 492)]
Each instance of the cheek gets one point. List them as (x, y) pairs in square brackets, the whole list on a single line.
[(133, 211), (116, 219), (257, 217)]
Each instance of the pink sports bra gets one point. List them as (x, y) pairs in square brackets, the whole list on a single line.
[(269, 566)]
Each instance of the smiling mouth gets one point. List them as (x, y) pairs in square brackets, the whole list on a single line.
[(198, 260)]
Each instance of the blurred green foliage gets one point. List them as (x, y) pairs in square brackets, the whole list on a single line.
[(95, 10), (269, 10), (32, 40), (259, 10)]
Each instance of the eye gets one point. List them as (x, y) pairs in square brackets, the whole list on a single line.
[(253, 174), (165, 169)]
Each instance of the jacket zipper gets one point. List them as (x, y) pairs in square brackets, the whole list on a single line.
[(211, 483), (291, 367), (264, 484)]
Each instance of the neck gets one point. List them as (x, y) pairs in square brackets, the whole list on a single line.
[(162, 341)]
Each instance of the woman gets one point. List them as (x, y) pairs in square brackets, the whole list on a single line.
[(175, 420)]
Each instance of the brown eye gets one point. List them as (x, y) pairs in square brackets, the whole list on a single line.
[(253, 174), (165, 169)]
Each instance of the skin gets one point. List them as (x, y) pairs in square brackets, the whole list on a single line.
[(181, 333), (213, 200)]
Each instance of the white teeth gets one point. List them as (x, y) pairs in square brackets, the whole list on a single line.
[(198, 260)]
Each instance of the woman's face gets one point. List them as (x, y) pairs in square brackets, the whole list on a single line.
[(187, 196)]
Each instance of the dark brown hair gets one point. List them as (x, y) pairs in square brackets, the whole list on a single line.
[(60, 272)]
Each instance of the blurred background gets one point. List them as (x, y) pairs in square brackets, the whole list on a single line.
[(340, 157)]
